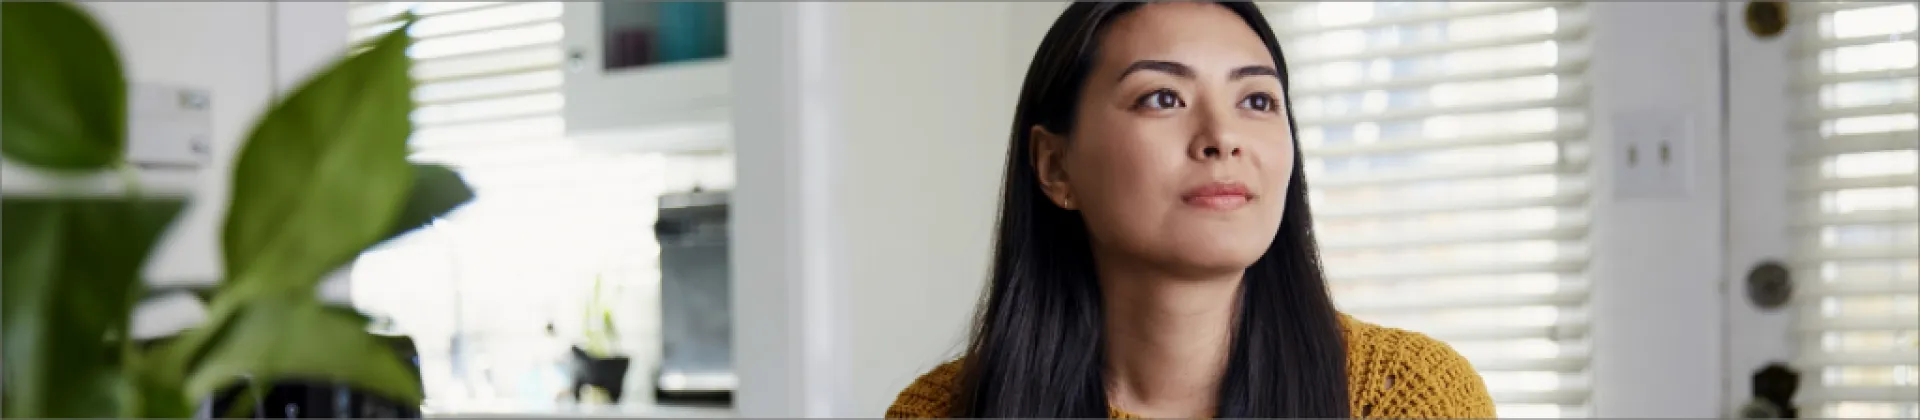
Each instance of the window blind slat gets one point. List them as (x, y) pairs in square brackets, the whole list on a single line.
[(1563, 264), (373, 13), (500, 86), (1564, 231), (1810, 10), (1408, 304), (1574, 100), (1438, 135), (1559, 396), (1456, 332), (1441, 47), (1858, 143), (1845, 288), (488, 132), (1828, 254), (1824, 114), (505, 16), (1825, 394), (1826, 325), (1571, 194), (1549, 364), (471, 45), (1297, 28), (513, 14), (487, 73), (1573, 68), (545, 103), (1809, 81), (1445, 174), (1562, 134), (1819, 45), (1815, 219), (1826, 359), (1882, 181), (489, 64)]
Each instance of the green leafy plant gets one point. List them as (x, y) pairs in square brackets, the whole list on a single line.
[(598, 323), (322, 176)]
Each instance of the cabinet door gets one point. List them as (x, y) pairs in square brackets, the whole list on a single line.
[(637, 70)]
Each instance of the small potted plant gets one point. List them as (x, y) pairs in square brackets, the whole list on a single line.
[(598, 363)]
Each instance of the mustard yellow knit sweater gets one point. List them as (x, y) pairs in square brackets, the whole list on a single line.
[(1391, 373)]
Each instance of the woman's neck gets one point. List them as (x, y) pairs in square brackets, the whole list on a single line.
[(1167, 341)]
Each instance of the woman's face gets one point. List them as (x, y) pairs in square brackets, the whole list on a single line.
[(1180, 153)]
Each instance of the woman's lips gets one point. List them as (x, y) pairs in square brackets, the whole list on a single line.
[(1218, 196)]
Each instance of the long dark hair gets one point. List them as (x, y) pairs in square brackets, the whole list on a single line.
[(1037, 347)]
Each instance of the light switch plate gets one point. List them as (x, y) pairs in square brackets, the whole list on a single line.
[(1652, 155), (169, 126)]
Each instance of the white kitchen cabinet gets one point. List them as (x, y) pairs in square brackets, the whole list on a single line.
[(647, 76)]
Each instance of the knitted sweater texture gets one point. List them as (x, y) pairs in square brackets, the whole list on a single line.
[(1391, 373)]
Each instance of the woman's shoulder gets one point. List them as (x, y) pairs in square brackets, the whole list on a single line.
[(1393, 372), (1380, 341), (1390, 373), (929, 396)]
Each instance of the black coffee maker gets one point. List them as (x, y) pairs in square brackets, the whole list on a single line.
[(696, 363)]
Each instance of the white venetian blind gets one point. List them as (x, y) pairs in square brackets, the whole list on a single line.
[(1446, 151), (489, 74), (1856, 210)]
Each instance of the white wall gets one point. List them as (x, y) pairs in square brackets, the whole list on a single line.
[(922, 148), (223, 47), (1759, 115), (1657, 272), (869, 173), (766, 262), (233, 50)]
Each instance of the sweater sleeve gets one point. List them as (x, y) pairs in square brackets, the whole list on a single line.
[(929, 396), (1415, 376)]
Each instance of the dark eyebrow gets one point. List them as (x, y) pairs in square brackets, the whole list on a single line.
[(1182, 71), (1254, 70), (1167, 67)]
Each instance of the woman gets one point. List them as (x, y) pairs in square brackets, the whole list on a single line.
[(1155, 256)]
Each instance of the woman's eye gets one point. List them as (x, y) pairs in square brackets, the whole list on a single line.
[(1160, 99), (1259, 102)]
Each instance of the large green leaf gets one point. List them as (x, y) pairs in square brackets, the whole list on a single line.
[(282, 337), (63, 101), (436, 190), (161, 395), (323, 175), (70, 270)]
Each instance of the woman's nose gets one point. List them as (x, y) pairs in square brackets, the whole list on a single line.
[(1216, 152), (1214, 139)]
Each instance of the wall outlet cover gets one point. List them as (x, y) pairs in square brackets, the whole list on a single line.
[(1652, 156)]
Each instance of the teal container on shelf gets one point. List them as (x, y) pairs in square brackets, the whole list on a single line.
[(691, 30)]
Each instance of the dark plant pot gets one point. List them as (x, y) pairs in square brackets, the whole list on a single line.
[(323, 399), (609, 373), (309, 399)]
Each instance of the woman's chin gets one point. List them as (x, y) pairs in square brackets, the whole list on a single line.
[(1219, 258)]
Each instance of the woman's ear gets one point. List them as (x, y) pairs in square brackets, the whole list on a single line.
[(1049, 152)]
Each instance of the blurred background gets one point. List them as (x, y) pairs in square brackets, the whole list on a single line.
[(1613, 209)]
